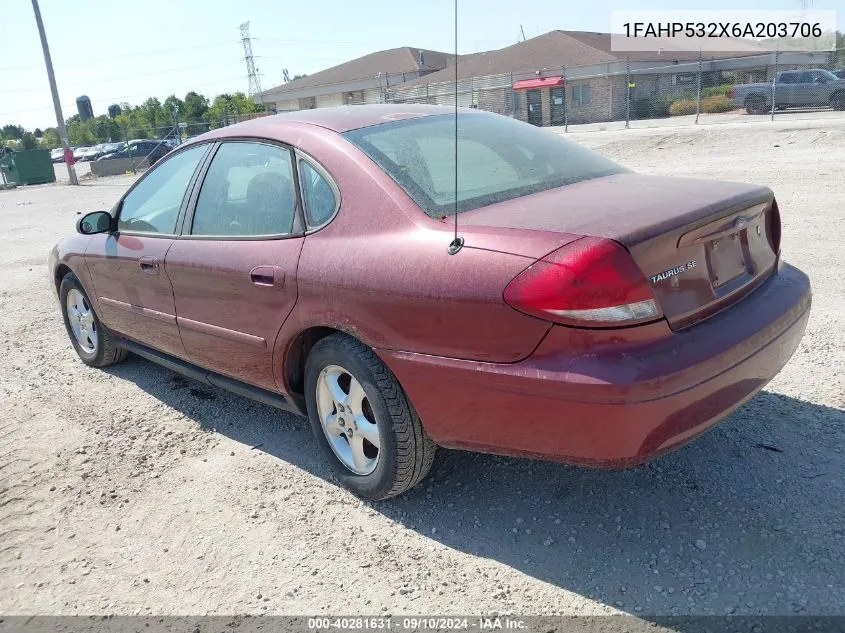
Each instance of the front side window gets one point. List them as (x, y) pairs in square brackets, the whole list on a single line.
[(153, 205), (498, 159), (317, 195), (247, 191), (822, 76)]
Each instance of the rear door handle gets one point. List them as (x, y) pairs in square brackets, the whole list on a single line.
[(269, 276), (149, 264)]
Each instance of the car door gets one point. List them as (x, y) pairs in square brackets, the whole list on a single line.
[(234, 268), (804, 89), (783, 89), (822, 89), (127, 266)]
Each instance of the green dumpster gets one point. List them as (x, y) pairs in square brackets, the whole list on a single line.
[(10, 172), (29, 167)]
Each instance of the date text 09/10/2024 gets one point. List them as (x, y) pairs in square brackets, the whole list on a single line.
[(481, 623)]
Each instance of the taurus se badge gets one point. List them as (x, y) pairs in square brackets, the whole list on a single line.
[(677, 270)]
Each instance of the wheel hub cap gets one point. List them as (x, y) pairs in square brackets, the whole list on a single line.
[(81, 320), (348, 420)]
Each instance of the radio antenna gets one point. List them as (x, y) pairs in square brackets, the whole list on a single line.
[(457, 242)]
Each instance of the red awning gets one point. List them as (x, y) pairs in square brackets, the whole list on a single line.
[(539, 82)]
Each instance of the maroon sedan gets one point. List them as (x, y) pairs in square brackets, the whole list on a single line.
[(593, 315)]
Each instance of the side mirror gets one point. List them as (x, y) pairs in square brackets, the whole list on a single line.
[(94, 222)]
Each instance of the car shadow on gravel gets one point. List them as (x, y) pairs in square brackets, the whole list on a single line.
[(747, 519)]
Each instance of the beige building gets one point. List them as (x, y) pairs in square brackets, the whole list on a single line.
[(361, 80), (556, 78)]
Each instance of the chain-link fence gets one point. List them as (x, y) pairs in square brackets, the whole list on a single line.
[(709, 90)]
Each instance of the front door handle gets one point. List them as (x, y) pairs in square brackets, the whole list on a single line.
[(149, 264), (268, 276)]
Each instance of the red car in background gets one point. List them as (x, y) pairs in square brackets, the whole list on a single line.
[(593, 315)]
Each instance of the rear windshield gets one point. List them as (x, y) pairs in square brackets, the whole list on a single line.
[(499, 158)]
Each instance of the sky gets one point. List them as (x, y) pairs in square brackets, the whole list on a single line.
[(128, 51)]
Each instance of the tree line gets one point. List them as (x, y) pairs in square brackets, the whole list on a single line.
[(151, 119)]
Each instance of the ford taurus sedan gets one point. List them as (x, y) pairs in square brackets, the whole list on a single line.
[(587, 314)]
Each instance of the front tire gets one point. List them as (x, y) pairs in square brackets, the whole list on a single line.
[(362, 420), (95, 345)]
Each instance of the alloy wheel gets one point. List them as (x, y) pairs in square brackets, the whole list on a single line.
[(81, 320), (348, 420)]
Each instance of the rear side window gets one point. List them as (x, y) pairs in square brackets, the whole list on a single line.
[(247, 191), (499, 159), (317, 195), (153, 205)]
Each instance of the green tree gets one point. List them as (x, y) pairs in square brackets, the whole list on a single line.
[(155, 116), (28, 141), (173, 102), (104, 128), (230, 105), (193, 112), (51, 138), (79, 132), (13, 131)]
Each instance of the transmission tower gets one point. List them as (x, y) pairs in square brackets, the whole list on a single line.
[(254, 82)]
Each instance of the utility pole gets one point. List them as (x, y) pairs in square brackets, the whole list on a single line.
[(71, 170), (254, 81)]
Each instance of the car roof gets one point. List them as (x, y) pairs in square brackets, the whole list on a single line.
[(340, 118)]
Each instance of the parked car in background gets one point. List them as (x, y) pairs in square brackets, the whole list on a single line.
[(92, 153), (57, 155), (587, 313), (792, 89), (840, 73), (79, 151), (140, 148), (111, 148)]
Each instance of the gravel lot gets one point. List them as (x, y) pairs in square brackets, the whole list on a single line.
[(133, 490)]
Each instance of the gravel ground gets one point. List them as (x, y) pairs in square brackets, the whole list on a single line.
[(133, 490)]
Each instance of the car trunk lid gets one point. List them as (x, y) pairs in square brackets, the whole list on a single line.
[(702, 244)]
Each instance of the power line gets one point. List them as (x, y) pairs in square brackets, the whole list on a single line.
[(121, 98), (146, 53), (89, 80), (279, 39)]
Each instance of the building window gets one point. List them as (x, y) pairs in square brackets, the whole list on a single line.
[(581, 94)]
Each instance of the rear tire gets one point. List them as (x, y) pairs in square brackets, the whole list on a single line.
[(93, 342), (756, 105), (404, 452)]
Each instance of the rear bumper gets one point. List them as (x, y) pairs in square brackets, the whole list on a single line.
[(612, 403)]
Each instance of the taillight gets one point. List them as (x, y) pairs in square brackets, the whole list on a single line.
[(774, 227), (591, 282)]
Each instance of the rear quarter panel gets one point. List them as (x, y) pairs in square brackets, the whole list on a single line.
[(381, 272)]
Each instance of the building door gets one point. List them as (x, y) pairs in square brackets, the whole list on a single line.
[(557, 108), (535, 107)]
